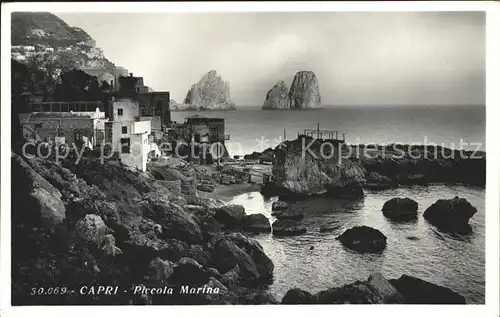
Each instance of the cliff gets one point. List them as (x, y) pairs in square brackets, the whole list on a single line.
[(304, 92), (43, 37), (210, 93), (277, 97)]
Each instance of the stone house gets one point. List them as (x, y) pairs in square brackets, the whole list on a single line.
[(128, 135)]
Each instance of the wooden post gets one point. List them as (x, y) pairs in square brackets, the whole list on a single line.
[(336, 135), (284, 134), (318, 130)]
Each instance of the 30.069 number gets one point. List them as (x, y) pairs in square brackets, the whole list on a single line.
[(48, 291)]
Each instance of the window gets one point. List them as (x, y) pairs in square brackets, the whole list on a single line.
[(38, 125), (197, 138), (125, 145), (124, 130), (120, 112)]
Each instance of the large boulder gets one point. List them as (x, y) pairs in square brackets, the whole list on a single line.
[(451, 214), (256, 223), (291, 213), (230, 215), (400, 209), (355, 293), (277, 97), (418, 291), (304, 92), (375, 180), (297, 296), (287, 227), (227, 255), (376, 290), (363, 239), (210, 93)]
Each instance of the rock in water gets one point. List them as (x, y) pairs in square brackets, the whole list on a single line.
[(210, 93), (451, 214), (418, 291), (400, 209), (363, 239), (287, 227), (304, 93), (277, 97)]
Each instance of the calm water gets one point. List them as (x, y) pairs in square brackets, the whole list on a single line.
[(252, 129), (453, 261), (456, 262)]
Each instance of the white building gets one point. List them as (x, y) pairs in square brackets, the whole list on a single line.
[(128, 136)]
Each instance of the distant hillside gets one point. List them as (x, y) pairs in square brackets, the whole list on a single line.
[(43, 34)]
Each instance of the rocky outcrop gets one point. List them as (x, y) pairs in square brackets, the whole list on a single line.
[(400, 209), (237, 252), (91, 229), (279, 205), (210, 93), (304, 92), (378, 290), (231, 216), (451, 214), (376, 181), (290, 213), (363, 239), (130, 229), (418, 291), (277, 97), (256, 223), (308, 166), (419, 164), (287, 227)]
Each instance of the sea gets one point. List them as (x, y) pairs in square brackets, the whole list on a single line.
[(415, 248)]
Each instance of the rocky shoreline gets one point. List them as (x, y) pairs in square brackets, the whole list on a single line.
[(91, 223), (377, 168)]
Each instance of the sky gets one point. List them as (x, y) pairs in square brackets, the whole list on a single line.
[(359, 58)]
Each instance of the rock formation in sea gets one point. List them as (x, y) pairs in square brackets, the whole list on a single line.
[(400, 209), (451, 214), (80, 224), (304, 92), (210, 93), (277, 97)]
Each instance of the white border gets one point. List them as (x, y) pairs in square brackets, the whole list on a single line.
[(491, 308)]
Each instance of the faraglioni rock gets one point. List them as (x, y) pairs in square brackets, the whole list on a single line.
[(304, 92), (210, 93), (277, 97)]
